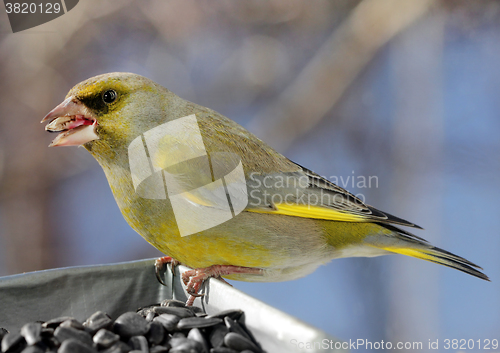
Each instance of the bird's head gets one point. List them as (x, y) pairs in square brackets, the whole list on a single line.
[(108, 111)]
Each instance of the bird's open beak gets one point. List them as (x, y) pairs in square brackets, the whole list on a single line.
[(74, 121)]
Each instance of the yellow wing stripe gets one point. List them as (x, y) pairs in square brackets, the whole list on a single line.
[(417, 253), (428, 255), (315, 212)]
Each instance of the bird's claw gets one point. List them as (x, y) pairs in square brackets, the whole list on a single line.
[(160, 266), (194, 279)]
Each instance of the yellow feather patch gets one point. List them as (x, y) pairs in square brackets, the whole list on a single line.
[(417, 253), (315, 212)]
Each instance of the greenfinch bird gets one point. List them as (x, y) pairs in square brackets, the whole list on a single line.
[(212, 196)]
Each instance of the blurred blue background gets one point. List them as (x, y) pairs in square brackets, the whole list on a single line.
[(404, 91)]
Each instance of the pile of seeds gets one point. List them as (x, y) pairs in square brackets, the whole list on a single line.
[(168, 327)]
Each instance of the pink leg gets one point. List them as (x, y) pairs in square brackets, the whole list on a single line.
[(193, 279), (160, 264)]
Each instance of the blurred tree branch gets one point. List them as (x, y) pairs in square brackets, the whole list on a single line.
[(324, 80)]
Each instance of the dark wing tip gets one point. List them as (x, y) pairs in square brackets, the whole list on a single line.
[(402, 232), (389, 218), (375, 214)]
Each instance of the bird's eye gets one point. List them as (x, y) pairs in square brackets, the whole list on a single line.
[(109, 96)]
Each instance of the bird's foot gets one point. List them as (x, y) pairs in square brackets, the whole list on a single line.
[(160, 266), (194, 279)]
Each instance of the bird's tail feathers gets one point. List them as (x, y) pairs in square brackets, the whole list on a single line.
[(442, 257)]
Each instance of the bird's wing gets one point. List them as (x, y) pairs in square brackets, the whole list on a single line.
[(322, 199)]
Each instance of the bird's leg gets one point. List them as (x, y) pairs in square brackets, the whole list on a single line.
[(194, 279), (160, 265)]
